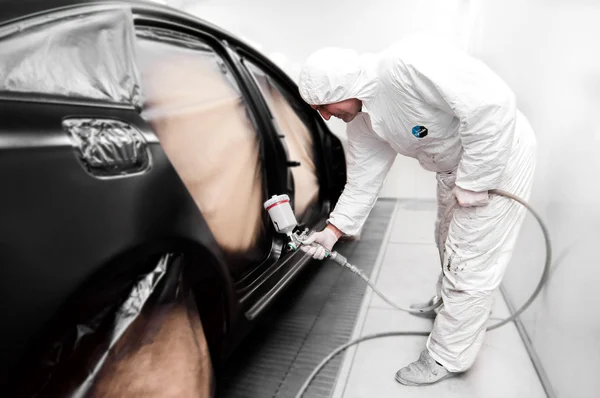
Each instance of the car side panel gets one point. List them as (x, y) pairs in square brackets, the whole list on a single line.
[(60, 224)]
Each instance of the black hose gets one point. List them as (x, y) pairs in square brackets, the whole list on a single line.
[(511, 318)]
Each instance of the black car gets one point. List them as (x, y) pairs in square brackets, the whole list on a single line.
[(137, 146)]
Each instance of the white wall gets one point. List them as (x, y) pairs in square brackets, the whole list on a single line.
[(289, 31), (548, 52)]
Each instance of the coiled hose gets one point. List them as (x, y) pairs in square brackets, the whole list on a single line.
[(342, 261)]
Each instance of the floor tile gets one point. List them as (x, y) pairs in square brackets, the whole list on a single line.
[(414, 226)]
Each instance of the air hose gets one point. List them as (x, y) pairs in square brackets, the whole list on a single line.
[(342, 261)]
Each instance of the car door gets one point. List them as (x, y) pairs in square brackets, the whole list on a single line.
[(194, 104), (213, 130), (259, 266)]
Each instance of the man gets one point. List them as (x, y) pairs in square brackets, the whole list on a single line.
[(460, 120)]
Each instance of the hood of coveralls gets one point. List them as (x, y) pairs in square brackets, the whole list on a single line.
[(335, 74)]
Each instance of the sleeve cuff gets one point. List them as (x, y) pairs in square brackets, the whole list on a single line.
[(345, 224)]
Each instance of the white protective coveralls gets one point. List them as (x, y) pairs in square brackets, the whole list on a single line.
[(475, 138)]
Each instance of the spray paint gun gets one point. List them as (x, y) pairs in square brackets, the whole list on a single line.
[(283, 219)]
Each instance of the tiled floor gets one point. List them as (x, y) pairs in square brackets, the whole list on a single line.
[(407, 271)]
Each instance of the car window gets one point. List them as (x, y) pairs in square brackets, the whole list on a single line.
[(298, 139), (202, 121)]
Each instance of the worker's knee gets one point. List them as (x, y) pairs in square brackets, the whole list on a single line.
[(472, 303)]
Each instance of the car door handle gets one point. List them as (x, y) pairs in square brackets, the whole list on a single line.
[(108, 148)]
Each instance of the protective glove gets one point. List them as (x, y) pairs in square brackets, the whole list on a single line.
[(466, 198), (319, 243)]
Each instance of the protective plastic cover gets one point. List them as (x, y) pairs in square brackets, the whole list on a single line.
[(108, 148), (200, 117), (127, 337), (84, 56)]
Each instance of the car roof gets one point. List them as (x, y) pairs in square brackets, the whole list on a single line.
[(17, 9)]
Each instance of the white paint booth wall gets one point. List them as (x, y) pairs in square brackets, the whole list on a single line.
[(548, 51)]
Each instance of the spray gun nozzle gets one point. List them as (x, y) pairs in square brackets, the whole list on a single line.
[(292, 245)]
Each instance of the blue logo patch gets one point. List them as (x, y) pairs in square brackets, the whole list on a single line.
[(420, 131)]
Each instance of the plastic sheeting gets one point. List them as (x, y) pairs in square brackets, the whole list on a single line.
[(203, 125), (108, 147), (299, 142), (128, 339), (88, 56)]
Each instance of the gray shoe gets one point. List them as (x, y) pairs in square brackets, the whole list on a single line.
[(422, 372)]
